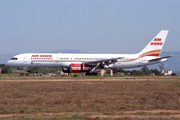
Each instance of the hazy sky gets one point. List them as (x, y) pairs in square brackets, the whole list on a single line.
[(98, 26)]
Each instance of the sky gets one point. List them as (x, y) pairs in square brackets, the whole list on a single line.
[(96, 26)]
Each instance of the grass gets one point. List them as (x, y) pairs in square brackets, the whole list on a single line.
[(177, 83), (102, 97), (62, 117)]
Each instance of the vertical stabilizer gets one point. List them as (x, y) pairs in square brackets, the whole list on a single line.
[(155, 46)]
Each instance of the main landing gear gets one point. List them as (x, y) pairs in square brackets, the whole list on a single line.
[(93, 73)]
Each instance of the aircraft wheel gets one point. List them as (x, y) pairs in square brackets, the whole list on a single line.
[(93, 73)]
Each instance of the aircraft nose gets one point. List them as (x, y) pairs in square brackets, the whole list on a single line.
[(8, 63)]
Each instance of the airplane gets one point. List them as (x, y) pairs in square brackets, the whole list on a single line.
[(88, 63)]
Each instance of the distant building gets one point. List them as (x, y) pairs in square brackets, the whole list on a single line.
[(166, 72)]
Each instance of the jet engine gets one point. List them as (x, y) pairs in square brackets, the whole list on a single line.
[(76, 68)]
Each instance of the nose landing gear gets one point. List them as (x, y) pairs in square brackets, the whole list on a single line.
[(26, 68)]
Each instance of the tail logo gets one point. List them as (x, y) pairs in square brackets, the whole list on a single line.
[(156, 43), (157, 39)]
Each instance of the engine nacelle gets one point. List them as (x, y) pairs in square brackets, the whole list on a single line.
[(77, 68), (66, 70), (85, 68)]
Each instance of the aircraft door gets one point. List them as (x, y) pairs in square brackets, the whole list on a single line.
[(57, 59), (25, 59)]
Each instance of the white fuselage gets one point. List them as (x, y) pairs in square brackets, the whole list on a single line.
[(62, 60)]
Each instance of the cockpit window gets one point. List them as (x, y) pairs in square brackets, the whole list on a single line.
[(13, 58)]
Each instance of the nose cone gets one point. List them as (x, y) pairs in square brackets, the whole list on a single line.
[(9, 63)]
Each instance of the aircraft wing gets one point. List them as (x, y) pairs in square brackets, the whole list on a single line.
[(103, 62), (159, 58)]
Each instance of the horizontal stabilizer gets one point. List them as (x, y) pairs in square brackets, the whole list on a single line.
[(159, 58)]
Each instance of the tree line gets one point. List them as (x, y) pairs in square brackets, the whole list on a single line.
[(144, 70), (7, 70)]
